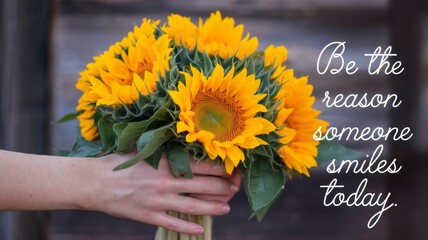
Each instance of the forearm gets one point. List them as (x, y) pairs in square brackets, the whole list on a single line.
[(140, 193), (37, 182)]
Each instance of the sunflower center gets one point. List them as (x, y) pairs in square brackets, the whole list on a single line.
[(216, 113)]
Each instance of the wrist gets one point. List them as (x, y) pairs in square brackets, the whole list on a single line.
[(87, 186)]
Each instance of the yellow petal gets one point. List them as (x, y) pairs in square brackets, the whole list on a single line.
[(216, 78), (255, 109), (235, 155), (229, 166), (181, 127), (219, 149), (176, 97), (248, 143), (118, 68), (267, 125)]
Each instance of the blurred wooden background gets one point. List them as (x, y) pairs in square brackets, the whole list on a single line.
[(59, 38)]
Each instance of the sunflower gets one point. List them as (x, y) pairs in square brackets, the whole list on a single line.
[(275, 57), (220, 113), (296, 120), (217, 36), (118, 76), (86, 121)]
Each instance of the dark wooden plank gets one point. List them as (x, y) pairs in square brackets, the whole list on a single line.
[(409, 220), (24, 94), (24, 76)]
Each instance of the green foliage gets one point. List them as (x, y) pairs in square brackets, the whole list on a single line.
[(329, 150), (128, 133), (148, 144), (105, 126), (69, 117), (154, 159), (178, 159), (263, 183), (84, 148)]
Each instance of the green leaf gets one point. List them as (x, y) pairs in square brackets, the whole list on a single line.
[(329, 150), (118, 128), (208, 65), (249, 65), (69, 117), (84, 148), (105, 128), (263, 185), (128, 135), (148, 144), (154, 138), (261, 213), (178, 159), (263, 150), (155, 158)]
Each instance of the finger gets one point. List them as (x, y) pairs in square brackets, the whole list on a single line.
[(206, 185), (195, 206), (210, 197), (207, 167), (175, 224), (236, 178)]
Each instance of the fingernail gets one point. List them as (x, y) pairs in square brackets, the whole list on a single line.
[(234, 188), (225, 208), (199, 230)]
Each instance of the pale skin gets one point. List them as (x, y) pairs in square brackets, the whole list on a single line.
[(140, 193)]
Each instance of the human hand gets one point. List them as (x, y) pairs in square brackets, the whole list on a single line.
[(144, 194)]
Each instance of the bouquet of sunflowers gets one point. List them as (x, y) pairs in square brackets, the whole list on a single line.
[(203, 89)]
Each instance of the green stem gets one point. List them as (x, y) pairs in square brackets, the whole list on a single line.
[(171, 234), (183, 236), (205, 221), (161, 234)]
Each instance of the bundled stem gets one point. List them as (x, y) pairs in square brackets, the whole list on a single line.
[(205, 221)]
